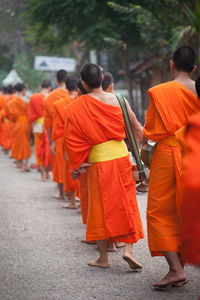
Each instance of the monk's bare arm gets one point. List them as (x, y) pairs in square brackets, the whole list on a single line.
[(136, 126)]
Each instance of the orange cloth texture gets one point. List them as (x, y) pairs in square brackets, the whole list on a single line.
[(35, 111), (62, 166), (2, 102), (37, 140), (55, 95), (171, 105), (112, 207), (17, 112), (83, 194), (191, 200), (36, 106), (43, 150)]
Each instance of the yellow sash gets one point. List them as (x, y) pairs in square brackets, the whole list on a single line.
[(108, 151), (5, 120), (170, 141), (40, 120)]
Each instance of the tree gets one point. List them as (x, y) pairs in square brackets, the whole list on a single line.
[(90, 21)]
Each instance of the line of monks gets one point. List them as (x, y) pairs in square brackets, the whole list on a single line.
[(79, 136)]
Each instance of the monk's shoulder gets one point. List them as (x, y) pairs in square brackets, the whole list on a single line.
[(162, 86)]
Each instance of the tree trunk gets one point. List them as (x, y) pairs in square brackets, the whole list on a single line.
[(127, 74)]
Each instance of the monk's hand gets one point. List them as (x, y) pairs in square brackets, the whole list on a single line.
[(84, 167), (52, 147), (75, 174)]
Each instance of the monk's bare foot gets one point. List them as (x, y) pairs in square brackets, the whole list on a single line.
[(180, 283), (132, 262), (119, 244), (111, 247), (88, 242), (70, 206), (171, 278), (59, 197), (98, 263), (79, 210), (41, 179)]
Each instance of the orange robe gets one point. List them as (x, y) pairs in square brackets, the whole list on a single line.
[(7, 126), (35, 112), (49, 111), (113, 211), (2, 103), (54, 96), (171, 105), (83, 194), (191, 199), (44, 151), (63, 170), (17, 112)]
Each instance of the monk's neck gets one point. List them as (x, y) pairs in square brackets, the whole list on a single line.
[(96, 92), (45, 92), (72, 94), (62, 86), (184, 79), (19, 95)]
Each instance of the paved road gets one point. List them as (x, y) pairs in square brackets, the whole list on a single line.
[(41, 256)]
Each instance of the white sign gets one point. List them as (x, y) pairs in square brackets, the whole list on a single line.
[(53, 63)]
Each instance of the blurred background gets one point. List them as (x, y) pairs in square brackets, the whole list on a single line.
[(133, 40)]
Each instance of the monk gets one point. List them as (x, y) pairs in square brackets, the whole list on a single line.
[(108, 86), (191, 200), (171, 105), (35, 113), (2, 102), (7, 125), (60, 108), (54, 96), (17, 110), (93, 137)]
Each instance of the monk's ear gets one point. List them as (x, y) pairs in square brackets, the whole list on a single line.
[(171, 64), (194, 69), (85, 85)]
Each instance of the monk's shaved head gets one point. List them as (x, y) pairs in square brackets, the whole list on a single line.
[(71, 83), (107, 80), (45, 84), (81, 88), (91, 74), (19, 87), (61, 76), (184, 59)]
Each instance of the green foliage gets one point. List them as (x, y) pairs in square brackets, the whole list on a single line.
[(91, 21), (24, 67), (193, 17)]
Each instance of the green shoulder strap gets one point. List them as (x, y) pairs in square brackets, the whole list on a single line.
[(131, 137)]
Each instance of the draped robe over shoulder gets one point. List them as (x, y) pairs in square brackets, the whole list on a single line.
[(17, 112), (171, 105), (49, 111), (35, 112), (62, 169), (190, 228), (113, 211), (54, 96)]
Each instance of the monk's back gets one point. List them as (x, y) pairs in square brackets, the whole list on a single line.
[(171, 104), (97, 121)]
